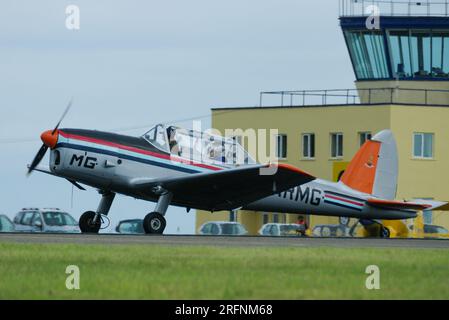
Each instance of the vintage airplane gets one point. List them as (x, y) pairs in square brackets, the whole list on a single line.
[(191, 169), (167, 165)]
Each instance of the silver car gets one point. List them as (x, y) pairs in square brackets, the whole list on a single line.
[(5, 224), (223, 228), (282, 230), (45, 220)]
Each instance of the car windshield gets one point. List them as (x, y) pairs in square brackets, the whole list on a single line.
[(434, 229), (232, 228), (5, 224), (289, 229), (135, 226), (58, 219)]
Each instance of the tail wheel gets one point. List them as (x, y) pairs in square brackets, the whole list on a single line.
[(154, 223), (86, 223)]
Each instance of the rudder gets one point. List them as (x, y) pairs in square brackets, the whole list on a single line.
[(374, 168)]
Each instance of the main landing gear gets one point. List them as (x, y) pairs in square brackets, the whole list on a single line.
[(154, 222), (90, 221)]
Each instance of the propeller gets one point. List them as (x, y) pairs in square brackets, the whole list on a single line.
[(47, 137)]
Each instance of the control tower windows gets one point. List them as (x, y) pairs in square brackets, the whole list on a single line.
[(419, 54), (401, 54), (368, 54)]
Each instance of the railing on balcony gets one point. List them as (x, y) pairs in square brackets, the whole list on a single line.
[(372, 96), (349, 8)]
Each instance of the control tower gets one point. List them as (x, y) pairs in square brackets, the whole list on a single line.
[(399, 44)]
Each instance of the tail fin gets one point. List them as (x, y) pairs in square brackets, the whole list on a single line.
[(374, 168)]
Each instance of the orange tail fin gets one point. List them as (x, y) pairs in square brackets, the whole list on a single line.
[(374, 168)]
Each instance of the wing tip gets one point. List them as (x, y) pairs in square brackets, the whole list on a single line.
[(290, 167)]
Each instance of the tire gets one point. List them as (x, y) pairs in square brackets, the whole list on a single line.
[(154, 223), (86, 225), (385, 232), (326, 232)]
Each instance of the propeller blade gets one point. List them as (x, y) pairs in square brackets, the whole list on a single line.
[(63, 115), (37, 159)]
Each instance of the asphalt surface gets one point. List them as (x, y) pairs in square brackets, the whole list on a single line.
[(222, 241)]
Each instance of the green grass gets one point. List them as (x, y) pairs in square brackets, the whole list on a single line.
[(37, 271)]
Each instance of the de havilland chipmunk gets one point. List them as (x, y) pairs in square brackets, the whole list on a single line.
[(197, 170)]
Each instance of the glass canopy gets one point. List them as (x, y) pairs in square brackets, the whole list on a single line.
[(198, 146)]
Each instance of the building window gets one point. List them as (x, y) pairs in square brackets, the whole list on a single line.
[(336, 145), (265, 218), (281, 146), (275, 218), (364, 136), (233, 216), (427, 216), (308, 145), (423, 145)]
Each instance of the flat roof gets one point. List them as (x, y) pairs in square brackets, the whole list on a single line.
[(330, 106)]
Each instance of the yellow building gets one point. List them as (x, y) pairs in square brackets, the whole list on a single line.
[(402, 72)]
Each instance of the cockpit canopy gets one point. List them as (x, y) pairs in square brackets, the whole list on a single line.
[(198, 146)]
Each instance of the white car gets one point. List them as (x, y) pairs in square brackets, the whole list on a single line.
[(223, 228), (45, 220), (5, 224), (282, 229)]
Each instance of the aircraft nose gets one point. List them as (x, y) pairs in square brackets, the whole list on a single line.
[(49, 138)]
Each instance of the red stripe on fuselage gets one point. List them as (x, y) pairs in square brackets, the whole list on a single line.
[(344, 200), (137, 150)]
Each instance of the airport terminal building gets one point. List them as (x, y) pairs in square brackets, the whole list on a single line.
[(401, 67)]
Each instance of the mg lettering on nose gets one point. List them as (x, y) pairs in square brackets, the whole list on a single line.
[(85, 161)]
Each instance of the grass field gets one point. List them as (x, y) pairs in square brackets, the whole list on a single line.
[(156, 272)]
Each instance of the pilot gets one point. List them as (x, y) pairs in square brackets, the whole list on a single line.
[(174, 146)]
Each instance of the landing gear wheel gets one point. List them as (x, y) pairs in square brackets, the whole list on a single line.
[(385, 232), (154, 223), (86, 223)]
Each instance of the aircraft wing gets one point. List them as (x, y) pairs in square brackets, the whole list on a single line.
[(226, 189)]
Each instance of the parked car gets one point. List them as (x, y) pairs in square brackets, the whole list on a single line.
[(132, 226), (223, 228), (282, 229), (45, 220), (432, 231), (330, 230), (6, 225)]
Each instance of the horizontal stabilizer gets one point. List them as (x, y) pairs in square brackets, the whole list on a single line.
[(434, 205), (398, 205)]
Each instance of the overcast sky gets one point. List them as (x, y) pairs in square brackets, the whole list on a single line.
[(136, 63)]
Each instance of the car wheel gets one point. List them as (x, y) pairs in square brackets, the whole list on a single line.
[(326, 232), (385, 232)]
